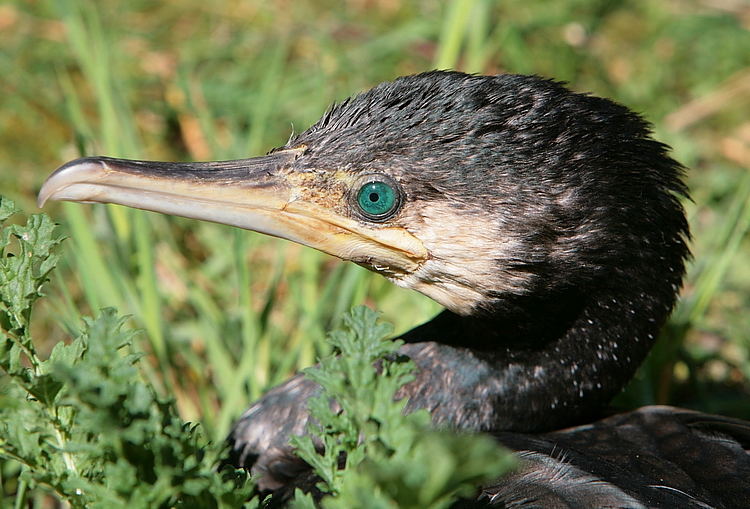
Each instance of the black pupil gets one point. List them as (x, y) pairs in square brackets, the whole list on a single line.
[(374, 197)]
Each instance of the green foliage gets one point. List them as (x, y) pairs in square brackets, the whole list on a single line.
[(82, 422), (375, 456), (23, 273), (189, 81), (178, 81)]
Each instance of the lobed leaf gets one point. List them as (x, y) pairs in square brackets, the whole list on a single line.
[(390, 460)]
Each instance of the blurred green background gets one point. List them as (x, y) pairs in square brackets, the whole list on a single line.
[(226, 313)]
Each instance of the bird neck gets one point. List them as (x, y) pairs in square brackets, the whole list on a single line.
[(533, 370)]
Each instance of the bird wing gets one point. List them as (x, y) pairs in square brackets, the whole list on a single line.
[(653, 457)]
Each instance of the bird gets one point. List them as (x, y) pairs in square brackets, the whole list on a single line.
[(548, 224)]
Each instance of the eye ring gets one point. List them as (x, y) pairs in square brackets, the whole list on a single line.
[(377, 198)]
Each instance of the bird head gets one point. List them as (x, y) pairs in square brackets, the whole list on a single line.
[(476, 191)]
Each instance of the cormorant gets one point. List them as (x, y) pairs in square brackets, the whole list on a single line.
[(549, 225)]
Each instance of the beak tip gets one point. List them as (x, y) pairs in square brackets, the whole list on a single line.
[(68, 174)]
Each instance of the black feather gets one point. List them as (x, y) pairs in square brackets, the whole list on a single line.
[(591, 204)]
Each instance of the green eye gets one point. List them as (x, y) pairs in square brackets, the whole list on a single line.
[(377, 199)]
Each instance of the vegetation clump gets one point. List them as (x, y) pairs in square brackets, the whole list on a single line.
[(83, 423), (391, 459), (84, 426)]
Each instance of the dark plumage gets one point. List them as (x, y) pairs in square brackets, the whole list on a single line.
[(653, 457), (547, 222), (589, 202)]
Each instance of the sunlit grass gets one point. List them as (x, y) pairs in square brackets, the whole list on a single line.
[(226, 313)]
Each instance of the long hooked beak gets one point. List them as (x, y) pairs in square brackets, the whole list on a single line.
[(258, 194)]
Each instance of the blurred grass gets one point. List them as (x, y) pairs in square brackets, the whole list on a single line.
[(227, 313)]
